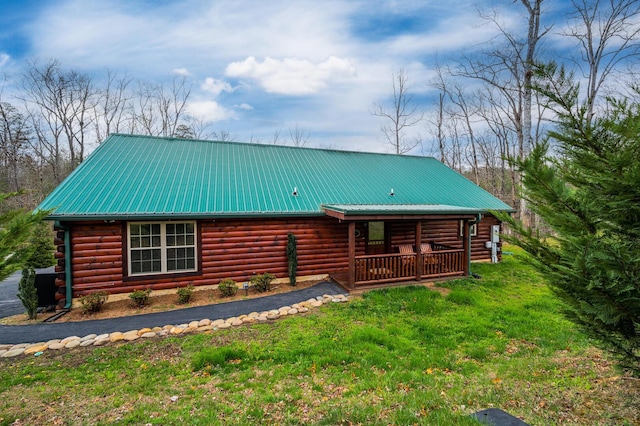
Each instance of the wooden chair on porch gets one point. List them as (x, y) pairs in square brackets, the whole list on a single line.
[(406, 249), (410, 255), (431, 262)]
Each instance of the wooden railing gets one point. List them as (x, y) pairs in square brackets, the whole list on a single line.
[(383, 268), (441, 263)]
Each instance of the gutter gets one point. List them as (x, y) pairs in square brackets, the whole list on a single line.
[(67, 264), (180, 216)]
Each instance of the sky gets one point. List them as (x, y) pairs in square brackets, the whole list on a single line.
[(258, 67)]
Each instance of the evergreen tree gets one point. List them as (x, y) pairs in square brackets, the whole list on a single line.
[(27, 292), (41, 247), (292, 258), (15, 229), (588, 193)]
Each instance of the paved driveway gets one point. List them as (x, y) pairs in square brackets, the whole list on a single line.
[(45, 331), (9, 302)]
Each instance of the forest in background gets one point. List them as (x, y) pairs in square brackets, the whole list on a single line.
[(484, 106)]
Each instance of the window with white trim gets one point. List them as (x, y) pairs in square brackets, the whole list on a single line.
[(473, 229), (162, 247)]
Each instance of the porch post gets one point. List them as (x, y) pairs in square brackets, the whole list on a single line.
[(466, 245), (352, 255), (418, 242)]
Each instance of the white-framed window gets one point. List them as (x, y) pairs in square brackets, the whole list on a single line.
[(162, 247), (473, 229)]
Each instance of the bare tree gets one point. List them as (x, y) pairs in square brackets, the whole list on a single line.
[(299, 136), (222, 135), (59, 104), (508, 67), (608, 34), (275, 140), (157, 110), (14, 139), (402, 115), (112, 108), (466, 109)]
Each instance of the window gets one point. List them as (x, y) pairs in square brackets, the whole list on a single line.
[(160, 248), (473, 230)]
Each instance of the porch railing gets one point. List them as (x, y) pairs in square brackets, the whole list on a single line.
[(381, 268), (385, 268), (441, 263)]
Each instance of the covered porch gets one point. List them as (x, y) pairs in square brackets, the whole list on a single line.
[(389, 243)]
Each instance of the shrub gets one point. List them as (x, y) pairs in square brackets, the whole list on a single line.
[(228, 287), (27, 292), (92, 303), (292, 258), (262, 282), (184, 294), (140, 298)]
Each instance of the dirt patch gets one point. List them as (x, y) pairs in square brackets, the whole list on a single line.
[(159, 303)]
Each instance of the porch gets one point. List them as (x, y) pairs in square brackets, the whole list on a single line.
[(396, 250), (371, 270)]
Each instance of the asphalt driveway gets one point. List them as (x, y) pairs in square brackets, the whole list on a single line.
[(13, 334), (9, 303)]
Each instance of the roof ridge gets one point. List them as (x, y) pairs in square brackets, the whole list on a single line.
[(269, 146)]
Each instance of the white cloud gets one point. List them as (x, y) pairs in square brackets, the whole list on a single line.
[(209, 111), (244, 106), (292, 76), (4, 59), (181, 71), (215, 86)]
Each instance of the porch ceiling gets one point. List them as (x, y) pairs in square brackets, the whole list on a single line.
[(399, 211)]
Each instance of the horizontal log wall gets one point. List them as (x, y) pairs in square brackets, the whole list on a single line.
[(478, 249), (445, 232), (238, 249), (235, 249), (96, 256)]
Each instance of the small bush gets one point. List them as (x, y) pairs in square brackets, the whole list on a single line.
[(27, 292), (262, 282), (140, 298), (184, 294), (92, 303), (228, 287)]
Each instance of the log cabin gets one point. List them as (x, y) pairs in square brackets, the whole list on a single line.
[(154, 212)]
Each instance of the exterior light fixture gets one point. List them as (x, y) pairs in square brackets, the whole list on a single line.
[(295, 191), (392, 193), (245, 287)]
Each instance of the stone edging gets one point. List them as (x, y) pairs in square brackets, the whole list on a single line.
[(204, 325)]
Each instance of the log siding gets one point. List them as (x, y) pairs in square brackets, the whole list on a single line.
[(240, 248)]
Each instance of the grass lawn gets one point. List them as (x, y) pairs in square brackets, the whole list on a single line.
[(397, 356)]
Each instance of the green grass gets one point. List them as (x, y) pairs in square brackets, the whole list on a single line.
[(396, 356)]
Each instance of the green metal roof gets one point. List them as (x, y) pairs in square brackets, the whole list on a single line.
[(129, 177)]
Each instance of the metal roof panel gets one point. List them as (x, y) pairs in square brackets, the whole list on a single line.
[(128, 176)]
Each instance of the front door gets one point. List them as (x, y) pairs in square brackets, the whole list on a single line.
[(376, 238)]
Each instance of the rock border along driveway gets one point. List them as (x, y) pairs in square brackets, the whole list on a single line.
[(203, 325)]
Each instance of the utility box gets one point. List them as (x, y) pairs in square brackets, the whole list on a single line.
[(46, 287), (495, 241)]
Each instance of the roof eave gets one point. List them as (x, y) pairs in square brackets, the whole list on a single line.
[(174, 216)]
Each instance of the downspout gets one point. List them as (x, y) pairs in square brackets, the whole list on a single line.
[(67, 264)]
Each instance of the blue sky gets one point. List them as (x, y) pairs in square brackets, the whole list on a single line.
[(258, 66)]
